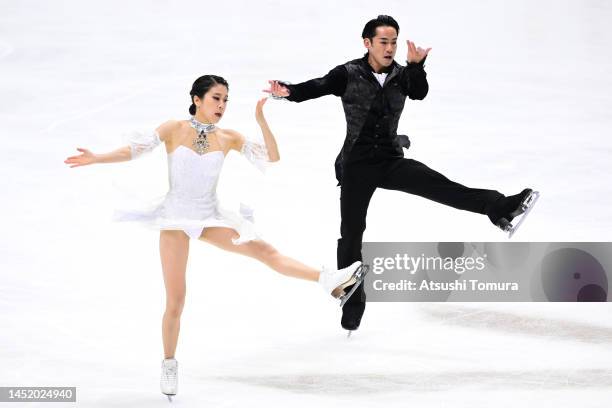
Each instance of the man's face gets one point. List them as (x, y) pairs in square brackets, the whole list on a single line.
[(383, 46)]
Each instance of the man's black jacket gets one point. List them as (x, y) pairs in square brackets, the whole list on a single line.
[(372, 112)]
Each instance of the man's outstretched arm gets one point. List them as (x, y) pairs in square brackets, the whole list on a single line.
[(334, 83)]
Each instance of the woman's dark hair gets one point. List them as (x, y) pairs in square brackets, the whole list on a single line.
[(369, 31), (203, 85)]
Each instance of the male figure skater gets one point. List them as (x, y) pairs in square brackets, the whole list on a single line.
[(373, 91)]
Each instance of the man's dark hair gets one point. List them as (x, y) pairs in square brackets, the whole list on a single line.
[(369, 31)]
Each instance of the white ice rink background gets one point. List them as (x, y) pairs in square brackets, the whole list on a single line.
[(520, 95)]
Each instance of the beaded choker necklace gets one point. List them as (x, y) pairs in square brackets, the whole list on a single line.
[(200, 143)]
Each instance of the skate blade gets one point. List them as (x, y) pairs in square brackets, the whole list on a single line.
[(525, 203), (169, 397), (359, 275), (339, 291), (504, 224), (527, 206)]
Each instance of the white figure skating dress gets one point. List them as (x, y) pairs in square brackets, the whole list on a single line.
[(191, 203)]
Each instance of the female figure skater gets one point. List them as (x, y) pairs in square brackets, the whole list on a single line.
[(196, 150)]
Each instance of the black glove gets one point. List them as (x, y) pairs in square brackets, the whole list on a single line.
[(404, 141)]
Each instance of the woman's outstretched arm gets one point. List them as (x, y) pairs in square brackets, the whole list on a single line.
[(138, 145)]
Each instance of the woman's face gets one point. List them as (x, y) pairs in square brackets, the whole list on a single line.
[(212, 106)]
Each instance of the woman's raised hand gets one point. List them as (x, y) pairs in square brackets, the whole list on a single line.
[(259, 116), (86, 157)]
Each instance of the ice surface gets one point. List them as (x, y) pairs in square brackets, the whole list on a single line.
[(520, 95)]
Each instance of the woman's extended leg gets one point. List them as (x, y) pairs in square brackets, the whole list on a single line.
[(262, 251), (173, 249)]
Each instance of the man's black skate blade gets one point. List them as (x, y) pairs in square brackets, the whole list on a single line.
[(529, 203), (360, 276)]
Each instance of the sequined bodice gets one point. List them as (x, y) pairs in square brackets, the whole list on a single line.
[(192, 175)]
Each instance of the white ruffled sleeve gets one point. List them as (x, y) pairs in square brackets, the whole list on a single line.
[(256, 153), (142, 143)]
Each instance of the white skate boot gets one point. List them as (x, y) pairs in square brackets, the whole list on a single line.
[(169, 377), (335, 281)]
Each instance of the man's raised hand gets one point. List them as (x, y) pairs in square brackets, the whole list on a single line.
[(416, 54), (276, 89)]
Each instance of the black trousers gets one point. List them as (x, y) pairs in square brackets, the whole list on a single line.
[(360, 179)]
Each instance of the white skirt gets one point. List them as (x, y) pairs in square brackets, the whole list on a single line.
[(191, 216)]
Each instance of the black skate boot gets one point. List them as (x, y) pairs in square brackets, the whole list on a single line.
[(353, 309), (506, 209)]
